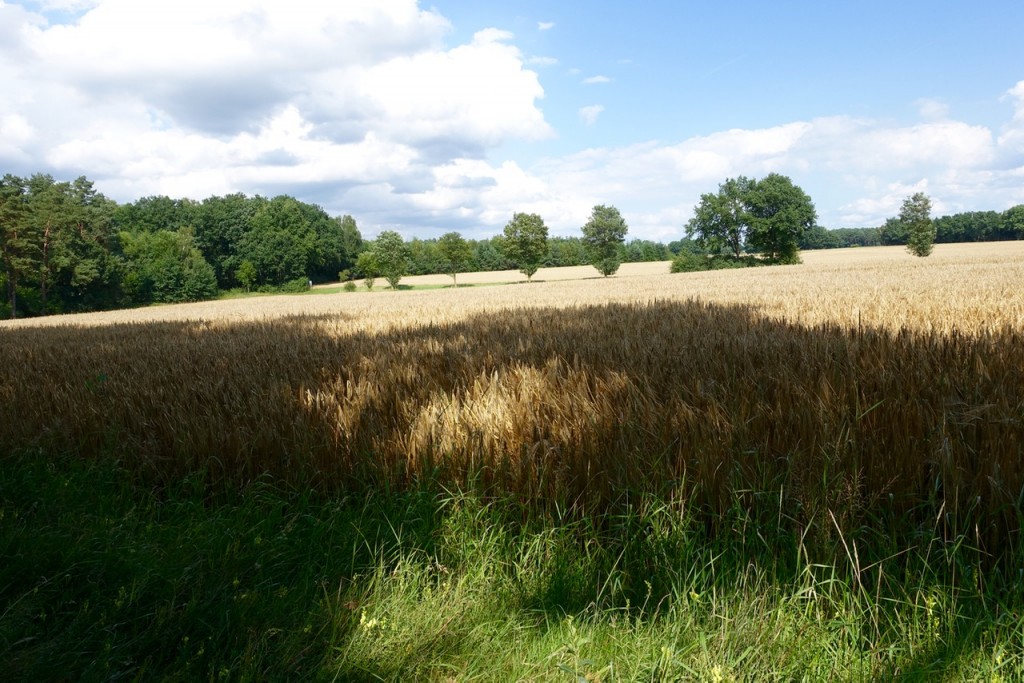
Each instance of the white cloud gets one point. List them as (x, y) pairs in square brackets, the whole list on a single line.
[(1016, 94), (932, 109), (542, 61), (195, 97), (1011, 140), (545, 25), (590, 113), (363, 108)]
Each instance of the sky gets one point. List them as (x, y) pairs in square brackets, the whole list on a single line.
[(427, 118)]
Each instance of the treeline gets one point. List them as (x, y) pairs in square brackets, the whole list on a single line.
[(64, 247), (970, 226), (490, 254)]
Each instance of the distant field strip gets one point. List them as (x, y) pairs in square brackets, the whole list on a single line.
[(964, 286)]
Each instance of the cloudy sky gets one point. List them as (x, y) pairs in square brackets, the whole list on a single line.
[(427, 118)]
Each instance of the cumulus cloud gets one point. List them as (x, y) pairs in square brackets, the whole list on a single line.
[(190, 97), (590, 113), (1012, 138), (364, 108)]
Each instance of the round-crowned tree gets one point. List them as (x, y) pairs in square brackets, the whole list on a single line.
[(454, 253), (603, 236), (526, 242), (392, 256)]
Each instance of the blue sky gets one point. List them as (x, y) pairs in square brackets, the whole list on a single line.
[(450, 116)]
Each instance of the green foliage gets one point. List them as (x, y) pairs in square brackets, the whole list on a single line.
[(893, 232), (526, 242), (685, 244), (351, 241), (490, 255), (604, 235), (915, 217), (644, 251), (350, 286), (297, 286), (166, 267), (368, 267), (779, 213), (107, 580), (721, 221), (1013, 223), (246, 275), (19, 251), (454, 253), (688, 262), (424, 257), (768, 216), (220, 226), (566, 251), (392, 255), (818, 237), (974, 226)]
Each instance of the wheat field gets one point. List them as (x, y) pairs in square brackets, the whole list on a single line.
[(860, 378)]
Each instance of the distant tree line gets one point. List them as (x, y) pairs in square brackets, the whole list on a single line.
[(64, 248), (970, 226)]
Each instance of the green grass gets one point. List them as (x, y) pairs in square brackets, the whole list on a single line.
[(103, 579)]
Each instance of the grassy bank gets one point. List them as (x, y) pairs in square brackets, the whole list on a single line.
[(106, 580)]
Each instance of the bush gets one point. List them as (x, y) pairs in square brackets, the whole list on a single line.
[(299, 284), (688, 262), (350, 286)]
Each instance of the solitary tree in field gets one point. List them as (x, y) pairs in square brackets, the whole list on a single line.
[(526, 242), (366, 264), (768, 216), (392, 255), (915, 216), (454, 253), (603, 235)]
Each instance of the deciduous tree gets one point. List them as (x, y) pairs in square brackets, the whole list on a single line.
[(526, 242), (604, 235), (915, 216), (454, 253), (367, 266), (720, 221), (767, 216), (392, 254), (779, 213)]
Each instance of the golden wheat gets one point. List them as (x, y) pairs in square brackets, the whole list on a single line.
[(858, 377)]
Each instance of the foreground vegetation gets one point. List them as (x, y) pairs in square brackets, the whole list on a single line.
[(106, 579), (776, 480)]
